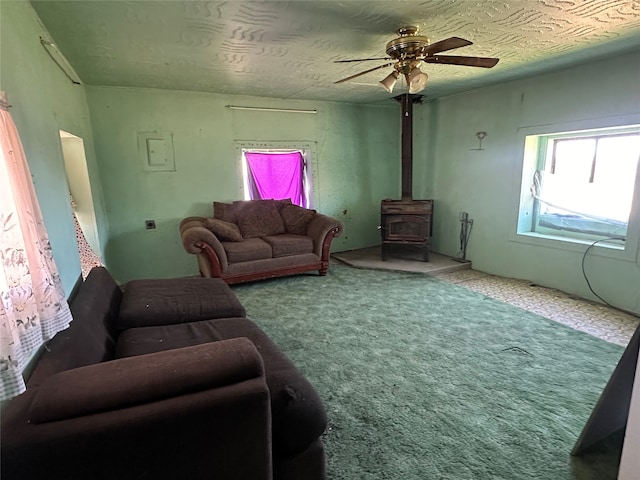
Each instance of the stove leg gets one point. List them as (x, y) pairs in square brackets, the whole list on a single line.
[(384, 252), (425, 253)]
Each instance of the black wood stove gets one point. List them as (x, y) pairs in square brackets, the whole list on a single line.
[(406, 222)]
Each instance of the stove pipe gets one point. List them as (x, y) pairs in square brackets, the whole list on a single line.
[(407, 100)]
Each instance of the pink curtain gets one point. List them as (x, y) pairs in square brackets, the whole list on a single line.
[(33, 307), (277, 176)]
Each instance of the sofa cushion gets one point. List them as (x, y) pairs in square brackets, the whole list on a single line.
[(296, 219), (238, 204), (225, 231), (259, 219), (299, 417), (247, 250), (176, 300), (288, 244), (225, 211), (282, 203)]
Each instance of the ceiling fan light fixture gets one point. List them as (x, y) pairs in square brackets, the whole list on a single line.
[(416, 80), (390, 81), (410, 50)]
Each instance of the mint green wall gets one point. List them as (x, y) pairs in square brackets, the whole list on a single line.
[(45, 101), (486, 182), (357, 164), (357, 161)]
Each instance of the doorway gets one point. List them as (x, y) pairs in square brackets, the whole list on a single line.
[(75, 165)]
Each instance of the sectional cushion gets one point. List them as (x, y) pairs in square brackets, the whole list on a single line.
[(288, 244), (247, 250), (225, 231), (176, 300), (259, 219), (296, 219)]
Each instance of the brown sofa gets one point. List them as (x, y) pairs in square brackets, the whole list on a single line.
[(150, 385), (257, 239)]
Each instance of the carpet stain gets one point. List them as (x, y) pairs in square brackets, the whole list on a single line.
[(518, 350)]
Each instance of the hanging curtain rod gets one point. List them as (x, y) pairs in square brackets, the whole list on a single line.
[(264, 109), (59, 59)]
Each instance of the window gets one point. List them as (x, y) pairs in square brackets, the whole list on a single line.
[(275, 175), (583, 183), (277, 170)]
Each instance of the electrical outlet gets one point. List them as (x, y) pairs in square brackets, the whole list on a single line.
[(149, 224)]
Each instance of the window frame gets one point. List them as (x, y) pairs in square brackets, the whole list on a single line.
[(522, 224), (308, 149), (552, 141)]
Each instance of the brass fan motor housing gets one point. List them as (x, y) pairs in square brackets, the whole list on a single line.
[(408, 44)]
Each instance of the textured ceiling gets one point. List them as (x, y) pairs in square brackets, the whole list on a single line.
[(287, 49)]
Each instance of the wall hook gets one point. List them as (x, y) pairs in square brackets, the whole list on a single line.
[(480, 136)]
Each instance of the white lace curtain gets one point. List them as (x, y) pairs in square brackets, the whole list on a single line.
[(33, 307)]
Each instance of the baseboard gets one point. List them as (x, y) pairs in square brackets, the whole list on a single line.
[(461, 260)]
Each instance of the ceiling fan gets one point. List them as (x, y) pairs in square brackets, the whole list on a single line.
[(409, 50)]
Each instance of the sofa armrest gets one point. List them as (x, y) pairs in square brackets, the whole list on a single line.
[(189, 222), (134, 381), (199, 413), (318, 229), (199, 240)]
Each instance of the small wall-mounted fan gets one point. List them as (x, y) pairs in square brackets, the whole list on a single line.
[(409, 50)]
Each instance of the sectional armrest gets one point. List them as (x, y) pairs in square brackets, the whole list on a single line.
[(199, 240), (318, 228), (140, 380), (199, 412)]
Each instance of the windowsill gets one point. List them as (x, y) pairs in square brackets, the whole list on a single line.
[(602, 248), (579, 241), (551, 223)]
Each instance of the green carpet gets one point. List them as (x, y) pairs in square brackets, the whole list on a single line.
[(423, 379)]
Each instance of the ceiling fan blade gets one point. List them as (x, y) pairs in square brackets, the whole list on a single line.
[(446, 44), (483, 62), (362, 73), (361, 60)]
